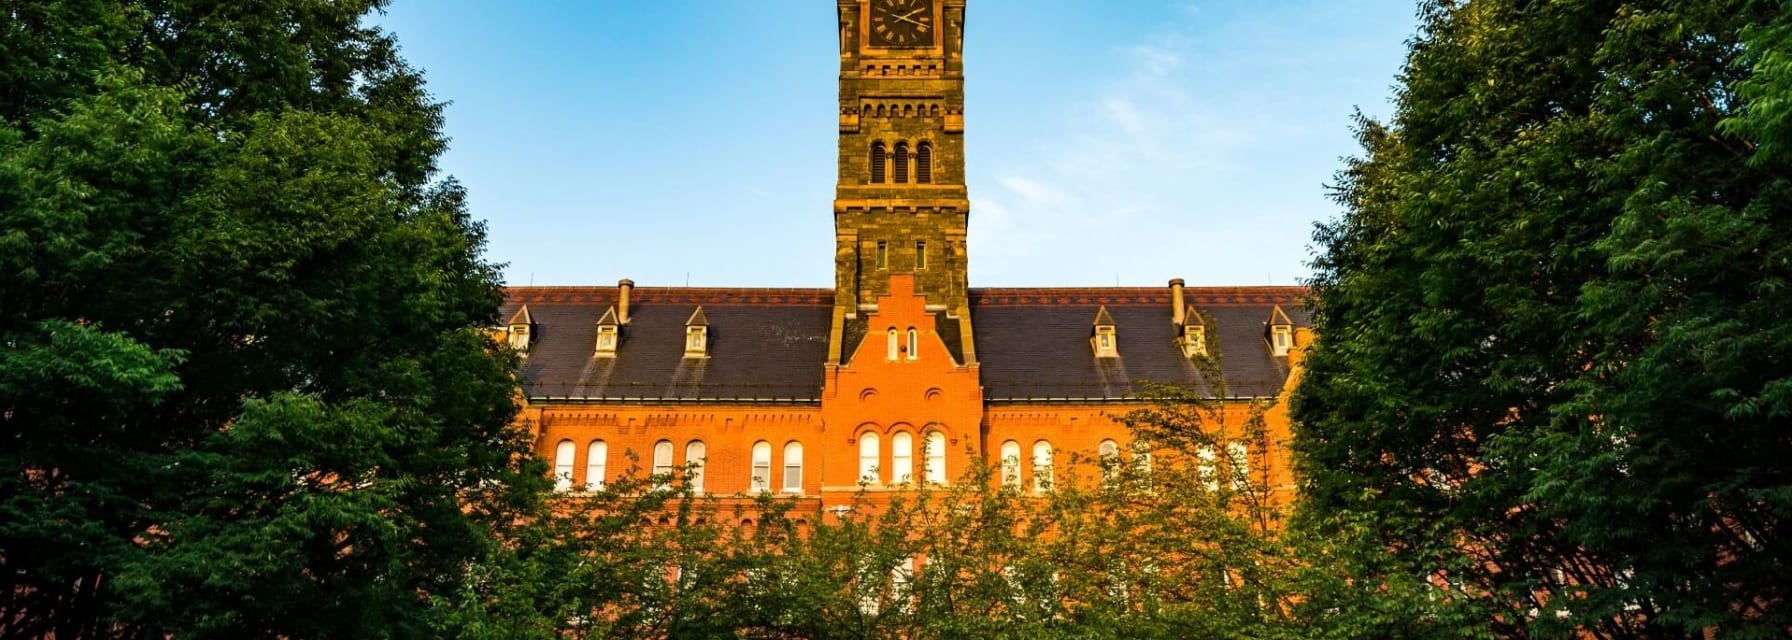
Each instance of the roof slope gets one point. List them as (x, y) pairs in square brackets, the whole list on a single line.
[(770, 345)]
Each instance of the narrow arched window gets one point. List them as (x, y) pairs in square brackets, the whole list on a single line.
[(762, 466), (662, 463), (597, 459), (1042, 466), (902, 457), (933, 450), (1239, 457), (879, 158), (924, 163), (892, 346), (1109, 458), (868, 458), (914, 344), (696, 456), (563, 453), (901, 168), (793, 467), (1011, 464)]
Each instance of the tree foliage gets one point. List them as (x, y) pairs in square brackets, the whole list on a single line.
[(1553, 355), (242, 390)]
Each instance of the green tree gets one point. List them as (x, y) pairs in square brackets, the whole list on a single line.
[(1552, 366), (242, 389)]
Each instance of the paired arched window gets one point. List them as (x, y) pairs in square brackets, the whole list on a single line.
[(696, 456), (563, 465), (900, 164), (1011, 464), (924, 162), (1042, 466), (793, 467), (902, 457), (762, 466), (934, 452), (868, 458), (879, 155), (597, 457), (901, 168), (662, 463)]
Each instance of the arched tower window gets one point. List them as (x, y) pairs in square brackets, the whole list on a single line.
[(879, 157), (901, 173), (924, 163)]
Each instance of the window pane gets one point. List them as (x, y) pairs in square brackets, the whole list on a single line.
[(868, 455), (696, 455), (902, 458), (935, 448), (563, 465), (596, 461)]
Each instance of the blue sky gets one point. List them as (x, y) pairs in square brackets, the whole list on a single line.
[(675, 141)]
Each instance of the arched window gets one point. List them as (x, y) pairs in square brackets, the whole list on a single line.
[(902, 457), (933, 450), (762, 466), (1239, 456), (892, 346), (1109, 453), (563, 465), (1042, 466), (901, 168), (597, 458), (914, 344), (878, 159), (924, 162), (696, 456), (868, 454), (1011, 464), (662, 463), (793, 467), (1141, 457), (1204, 467)]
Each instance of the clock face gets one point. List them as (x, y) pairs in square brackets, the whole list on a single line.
[(902, 23)]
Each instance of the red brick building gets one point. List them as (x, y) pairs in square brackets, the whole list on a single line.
[(901, 372)]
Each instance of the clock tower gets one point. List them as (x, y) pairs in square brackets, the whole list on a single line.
[(900, 207)]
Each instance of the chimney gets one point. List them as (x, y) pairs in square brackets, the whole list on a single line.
[(625, 286), (1177, 309)]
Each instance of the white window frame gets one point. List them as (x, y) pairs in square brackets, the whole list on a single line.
[(869, 454), (914, 344), (761, 480), (902, 458), (1042, 466), (1010, 462), (662, 464), (933, 456), (563, 459), (793, 467), (696, 457), (597, 461)]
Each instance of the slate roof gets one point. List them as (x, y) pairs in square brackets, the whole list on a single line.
[(770, 345)]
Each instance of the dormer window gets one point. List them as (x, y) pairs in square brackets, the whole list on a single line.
[(518, 332), (696, 335), (609, 334), (1281, 332), (1193, 340), (1104, 342)]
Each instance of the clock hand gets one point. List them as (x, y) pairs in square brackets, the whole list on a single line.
[(909, 18)]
